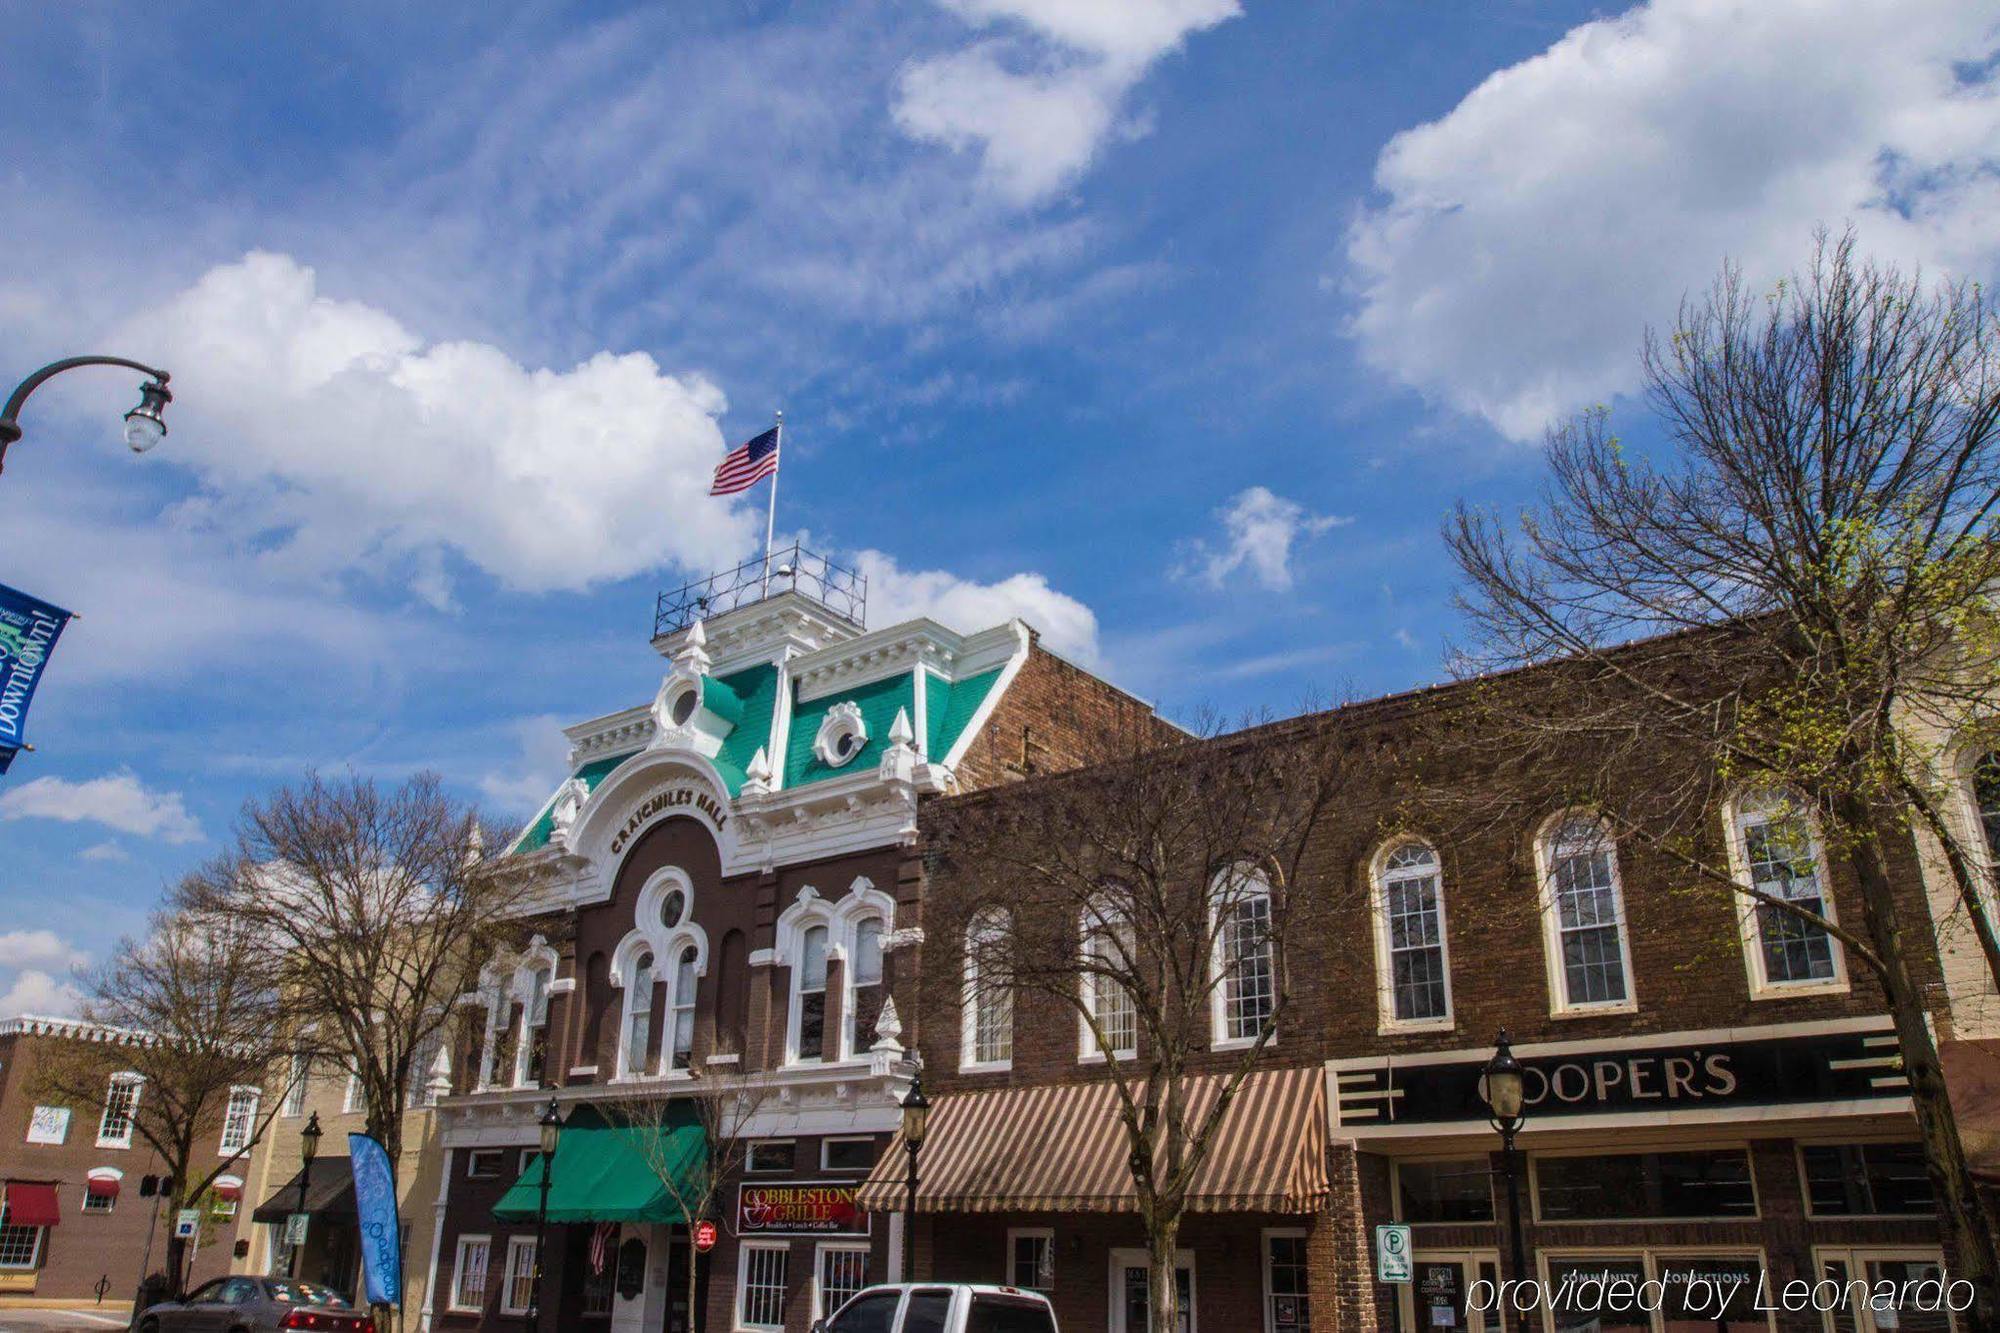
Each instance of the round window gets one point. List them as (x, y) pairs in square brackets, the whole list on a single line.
[(672, 909), (684, 705), (845, 744)]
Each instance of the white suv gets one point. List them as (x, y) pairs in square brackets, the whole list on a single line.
[(941, 1307)]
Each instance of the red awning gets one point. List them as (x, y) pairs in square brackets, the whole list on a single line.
[(229, 1188), (101, 1187), (32, 1205)]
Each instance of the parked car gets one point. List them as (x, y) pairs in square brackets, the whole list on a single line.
[(256, 1305), (941, 1307)]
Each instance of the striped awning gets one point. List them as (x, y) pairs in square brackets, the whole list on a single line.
[(1062, 1148)]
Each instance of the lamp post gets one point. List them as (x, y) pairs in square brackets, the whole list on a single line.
[(916, 1115), (308, 1149), (1500, 1087), (144, 425), (551, 1126)]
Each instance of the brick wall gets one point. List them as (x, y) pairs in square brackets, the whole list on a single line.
[(1055, 716)]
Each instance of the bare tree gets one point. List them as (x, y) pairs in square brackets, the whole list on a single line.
[(722, 1103), (1145, 894), (377, 913), (174, 1024), (1819, 552)]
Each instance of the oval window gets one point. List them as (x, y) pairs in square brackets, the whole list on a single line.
[(684, 704), (672, 908)]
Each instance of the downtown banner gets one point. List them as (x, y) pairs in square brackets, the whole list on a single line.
[(29, 628), (381, 1229)]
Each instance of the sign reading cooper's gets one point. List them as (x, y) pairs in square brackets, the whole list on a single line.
[(817, 1208), (667, 799), (1822, 1067)]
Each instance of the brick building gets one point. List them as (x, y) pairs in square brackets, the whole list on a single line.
[(720, 896), (1713, 1093), (75, 1211)]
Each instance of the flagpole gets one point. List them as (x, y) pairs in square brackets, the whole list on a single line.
[(771, 514)]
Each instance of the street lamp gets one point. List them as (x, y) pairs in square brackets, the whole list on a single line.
[(916, 1114), (308, 1149), (551, 1125), (145, 425), (1500, 1087)]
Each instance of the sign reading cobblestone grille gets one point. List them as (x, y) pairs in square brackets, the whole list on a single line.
[(1679, 1072), (807, 1208)]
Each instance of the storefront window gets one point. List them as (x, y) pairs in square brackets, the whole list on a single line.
[(1866, 1179), (1645, 1185), (1701, 1293), (1288, 1307), (1460, 1190), (600, 1277), (761, 1295), (843, 1271), (20, 1247), (1598, 1294)]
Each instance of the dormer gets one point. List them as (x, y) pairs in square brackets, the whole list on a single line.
[(692, 709)]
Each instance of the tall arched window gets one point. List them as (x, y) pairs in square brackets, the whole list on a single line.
[(809, 994), (1986, 800), (638, 1017), (533, 1063), (988, 1015), (1778, 854), (864, 984), (1410, 938), (1246, 991), (682, 1051), (1108, 951), (1583, 913)]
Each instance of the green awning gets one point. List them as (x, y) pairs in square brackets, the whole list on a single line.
[(613, 1172)]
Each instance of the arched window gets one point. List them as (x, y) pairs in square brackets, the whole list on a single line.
[(1986, 800), (638, 1016), (1409, 933), (1779, 856), (1246, 991), (534, 1057), (988, 1015), (1583, 914), (809, 994), (684, 996), (1109, 952), (864, 984)]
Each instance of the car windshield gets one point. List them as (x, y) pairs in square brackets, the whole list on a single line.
[(997, 1314), (287, 1292)]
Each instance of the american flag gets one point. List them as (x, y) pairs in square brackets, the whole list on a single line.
[(600, 1246), (748, 465)]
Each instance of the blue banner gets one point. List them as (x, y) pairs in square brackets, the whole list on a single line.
[(29, 628), (381, 1232)]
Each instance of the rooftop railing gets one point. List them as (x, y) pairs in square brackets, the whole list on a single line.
[(793, 568)]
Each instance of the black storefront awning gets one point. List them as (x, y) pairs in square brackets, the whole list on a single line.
[(329, 1193)]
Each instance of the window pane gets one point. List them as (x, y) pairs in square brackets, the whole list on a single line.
[(849, 1154), (1032, 1264), (842, 1273), (1584, 884), (1457, 1191), (1285, 1281), (1577, 1289), (1867, 1179), (1249, 993), (868, 953), (1692, 1285), (764, 1287), (812, 960), (1986, 791), (1646, 1185), (926, 1312), (1781, 864)]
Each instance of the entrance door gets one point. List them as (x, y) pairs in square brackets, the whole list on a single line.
[(1438, 1298), (677, 1282), (1132, 1287)]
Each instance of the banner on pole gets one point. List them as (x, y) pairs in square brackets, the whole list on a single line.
[(375, 1208), (29, 628)]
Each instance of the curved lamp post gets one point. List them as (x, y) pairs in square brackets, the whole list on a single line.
[(916, 1114), (1500, 1087), (144, 424), (308, 1149), (551, 1125)]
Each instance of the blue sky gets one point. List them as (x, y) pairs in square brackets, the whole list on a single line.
[(1174, 326)]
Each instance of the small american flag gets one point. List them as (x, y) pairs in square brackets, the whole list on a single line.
[(600, 1246), (748, 465)]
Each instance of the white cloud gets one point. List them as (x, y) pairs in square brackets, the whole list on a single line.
[(343, 440), (895, 594), (117, 800), (38, 992), (105, 851), (1038, 109), (38, 948), (1260, 531), (1531, 234), (543, 763)]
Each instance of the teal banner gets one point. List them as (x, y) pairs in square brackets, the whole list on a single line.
[(29, 628), (375, 1209)]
